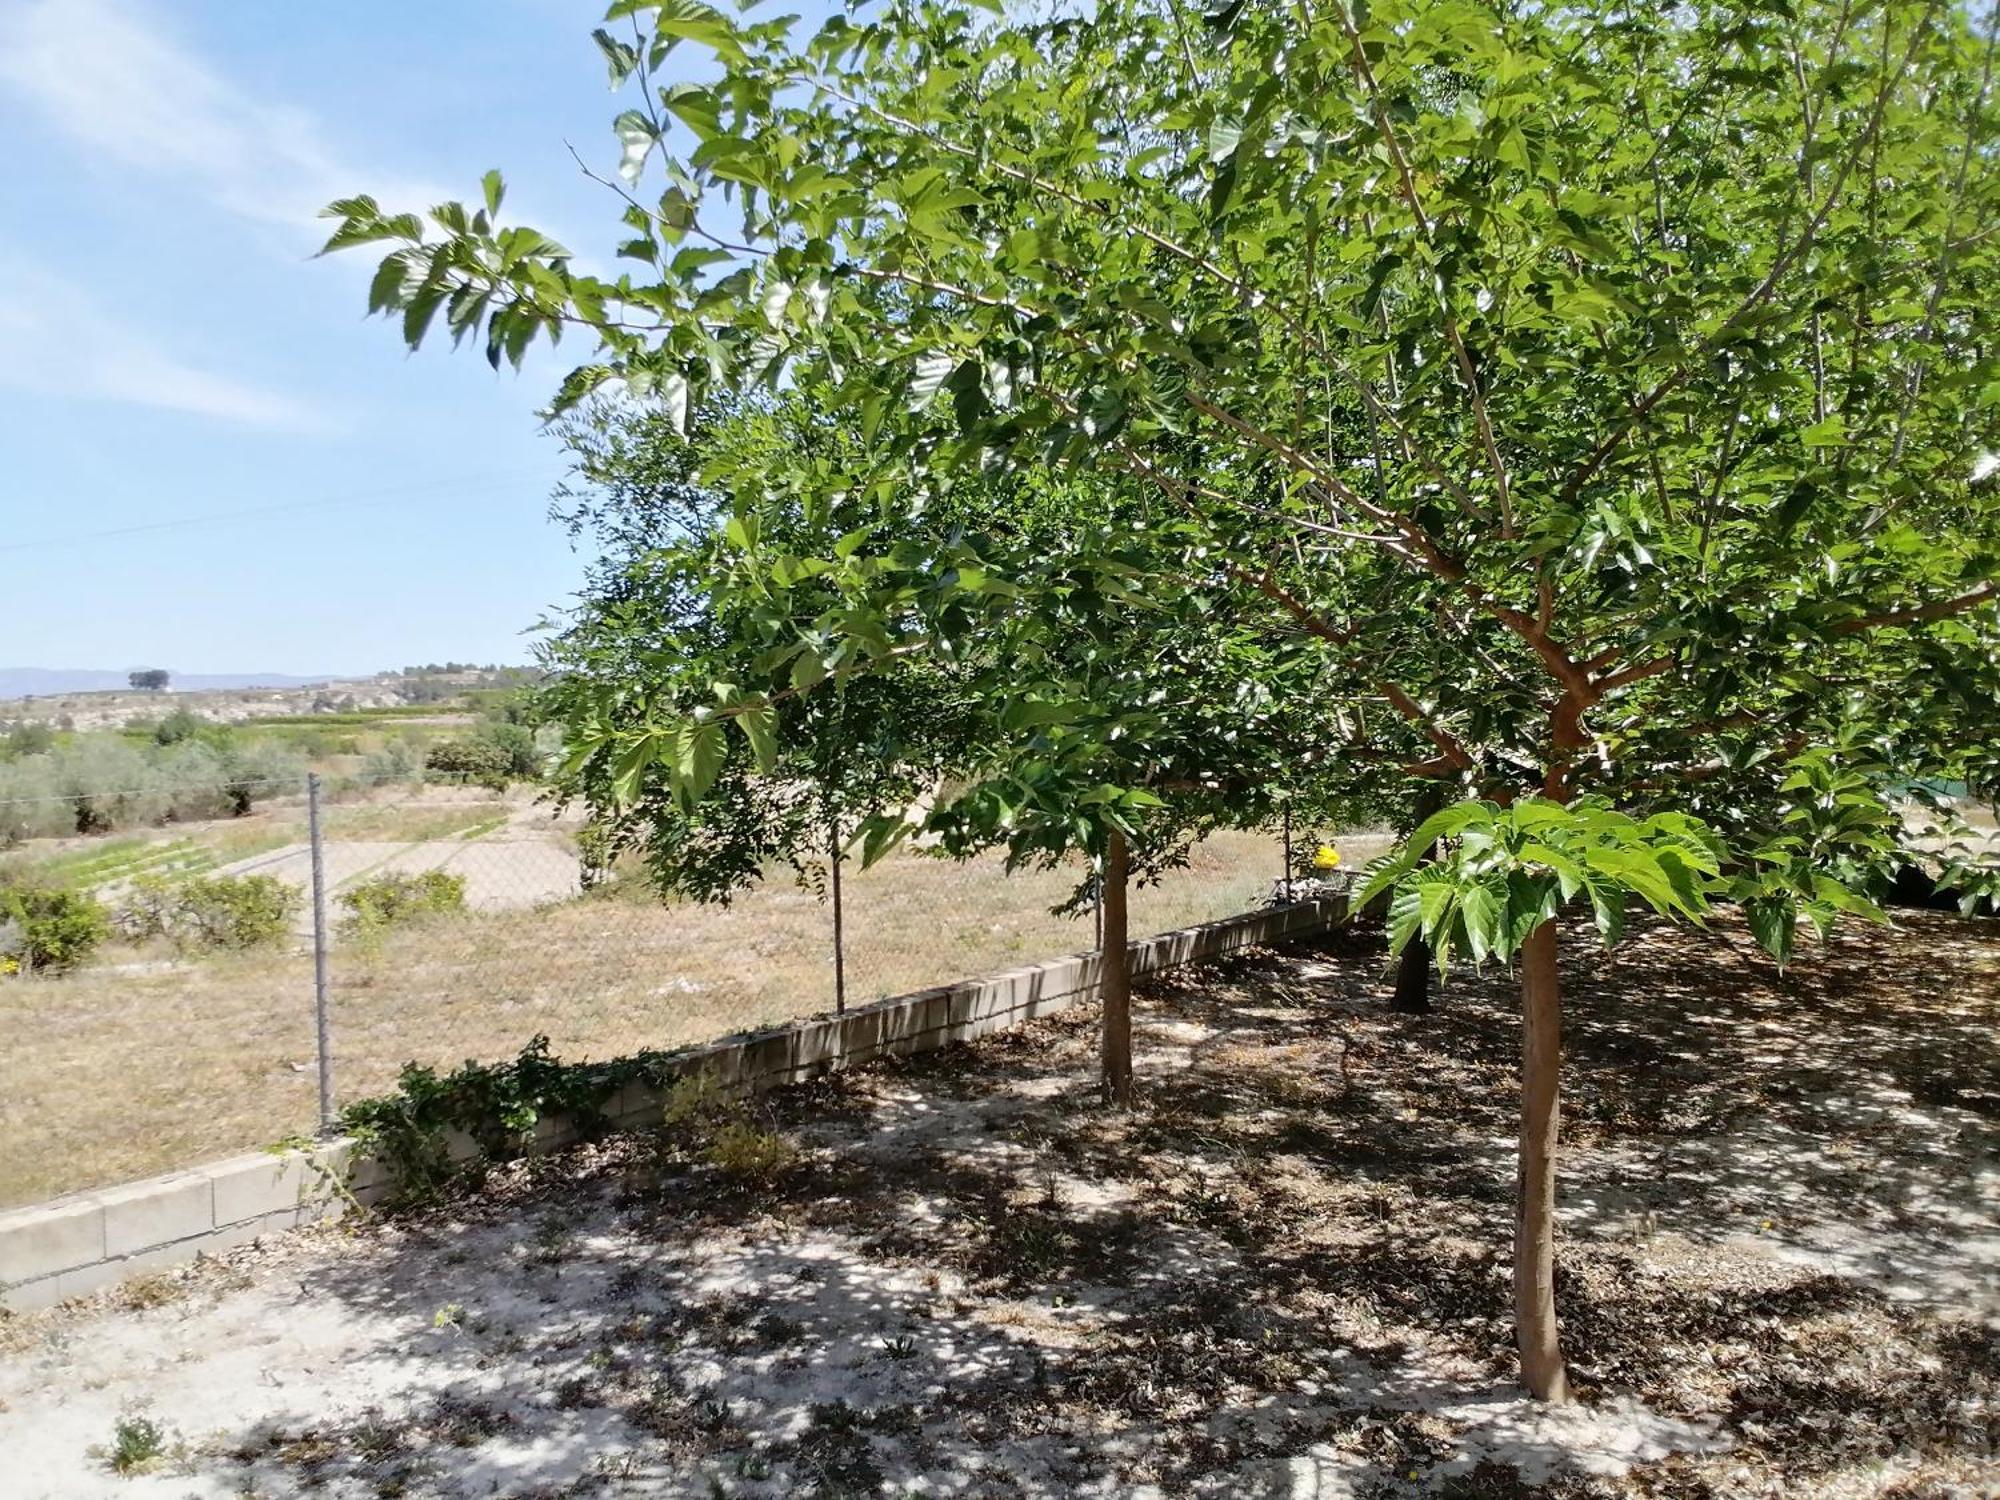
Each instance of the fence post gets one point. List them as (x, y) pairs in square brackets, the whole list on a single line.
[(1288, 854), (325, 1047), (839, 937)]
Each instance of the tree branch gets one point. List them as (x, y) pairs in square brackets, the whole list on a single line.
[(1916, 614)]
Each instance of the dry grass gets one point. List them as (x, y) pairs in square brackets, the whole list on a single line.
[(120, 1071)]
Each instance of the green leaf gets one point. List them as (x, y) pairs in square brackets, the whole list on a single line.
[(1774, 923), (620, 58), (635, 135), (1480, 910), (495, 189), (759, 726), (1450, 822), (928, 376), (1607, 909), (673, 392), (702, 751), (1381, 873)]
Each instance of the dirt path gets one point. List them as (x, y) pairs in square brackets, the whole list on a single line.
[(523, 863)]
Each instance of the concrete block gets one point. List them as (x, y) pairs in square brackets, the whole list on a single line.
[(907, 1022), (32, 1296), (634, 1106), (38, 1242), (1066, 976), (962, 1003), (158, 1212), (815, 1048), (279, 1221), (84, 1280), (721, 1061), (863, 1035), (252, 1185), (360, 1173), (766, 1060)]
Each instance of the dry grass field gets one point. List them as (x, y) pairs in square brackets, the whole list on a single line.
[(1282, 1277), (142, 1063)]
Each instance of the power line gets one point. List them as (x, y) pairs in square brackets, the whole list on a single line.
[(369, 497)]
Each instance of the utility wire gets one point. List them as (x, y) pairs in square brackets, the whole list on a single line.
[(371, 497)]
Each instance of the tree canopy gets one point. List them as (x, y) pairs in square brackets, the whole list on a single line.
[(1608, 394)]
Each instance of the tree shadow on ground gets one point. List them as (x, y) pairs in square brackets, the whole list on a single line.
[(1284, 1275)]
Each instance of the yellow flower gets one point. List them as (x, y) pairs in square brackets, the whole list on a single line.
[(1325, 857)]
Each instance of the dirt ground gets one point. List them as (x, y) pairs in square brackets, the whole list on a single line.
[(1284, 1275)]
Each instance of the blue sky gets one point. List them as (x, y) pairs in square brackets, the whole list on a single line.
[(169, 349)]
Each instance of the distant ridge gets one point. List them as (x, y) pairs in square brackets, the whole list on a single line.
[(45, 682)]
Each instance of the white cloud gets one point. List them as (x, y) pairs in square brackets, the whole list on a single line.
[(127, 94), (59, 342)]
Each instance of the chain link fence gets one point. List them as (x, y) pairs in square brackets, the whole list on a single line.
[(458, 924)]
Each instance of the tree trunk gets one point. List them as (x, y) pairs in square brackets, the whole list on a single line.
[(1117, 981), (1413, 980), (1413, 976), (1535, 1206)]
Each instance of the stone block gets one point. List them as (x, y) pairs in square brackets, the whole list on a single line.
[(252, 1185), (635, 1106), (816, 1048), (32, 1296), (765, 1060), (145, 1214), (863, 1035), (38, 1242)]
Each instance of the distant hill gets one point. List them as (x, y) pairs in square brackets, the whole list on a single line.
[(44, 682)]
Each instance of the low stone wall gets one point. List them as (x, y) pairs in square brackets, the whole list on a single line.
[(77, 1244)]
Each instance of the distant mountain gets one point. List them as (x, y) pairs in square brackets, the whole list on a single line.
[(44, 682)]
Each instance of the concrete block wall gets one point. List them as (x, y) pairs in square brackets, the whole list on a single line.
[(73, 1245)]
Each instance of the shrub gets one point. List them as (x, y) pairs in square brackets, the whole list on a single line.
[(182, 724), (137, 1443), (721, 1131), (26, 738), (399, 759), (48, 929), (397, 900), (473, 759), (517, 743), (215, 911), (595, 852), (747, 1152)]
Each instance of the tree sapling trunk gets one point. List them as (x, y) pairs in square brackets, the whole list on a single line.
[(1413, 974), (1535, 1206), (1117, 982), (1413, 980)]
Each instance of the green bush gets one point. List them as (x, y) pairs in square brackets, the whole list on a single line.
[(232, 912), (182, 724), (473, 759), (397, 900), (399, 759), (517, 743), (45, 929)]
